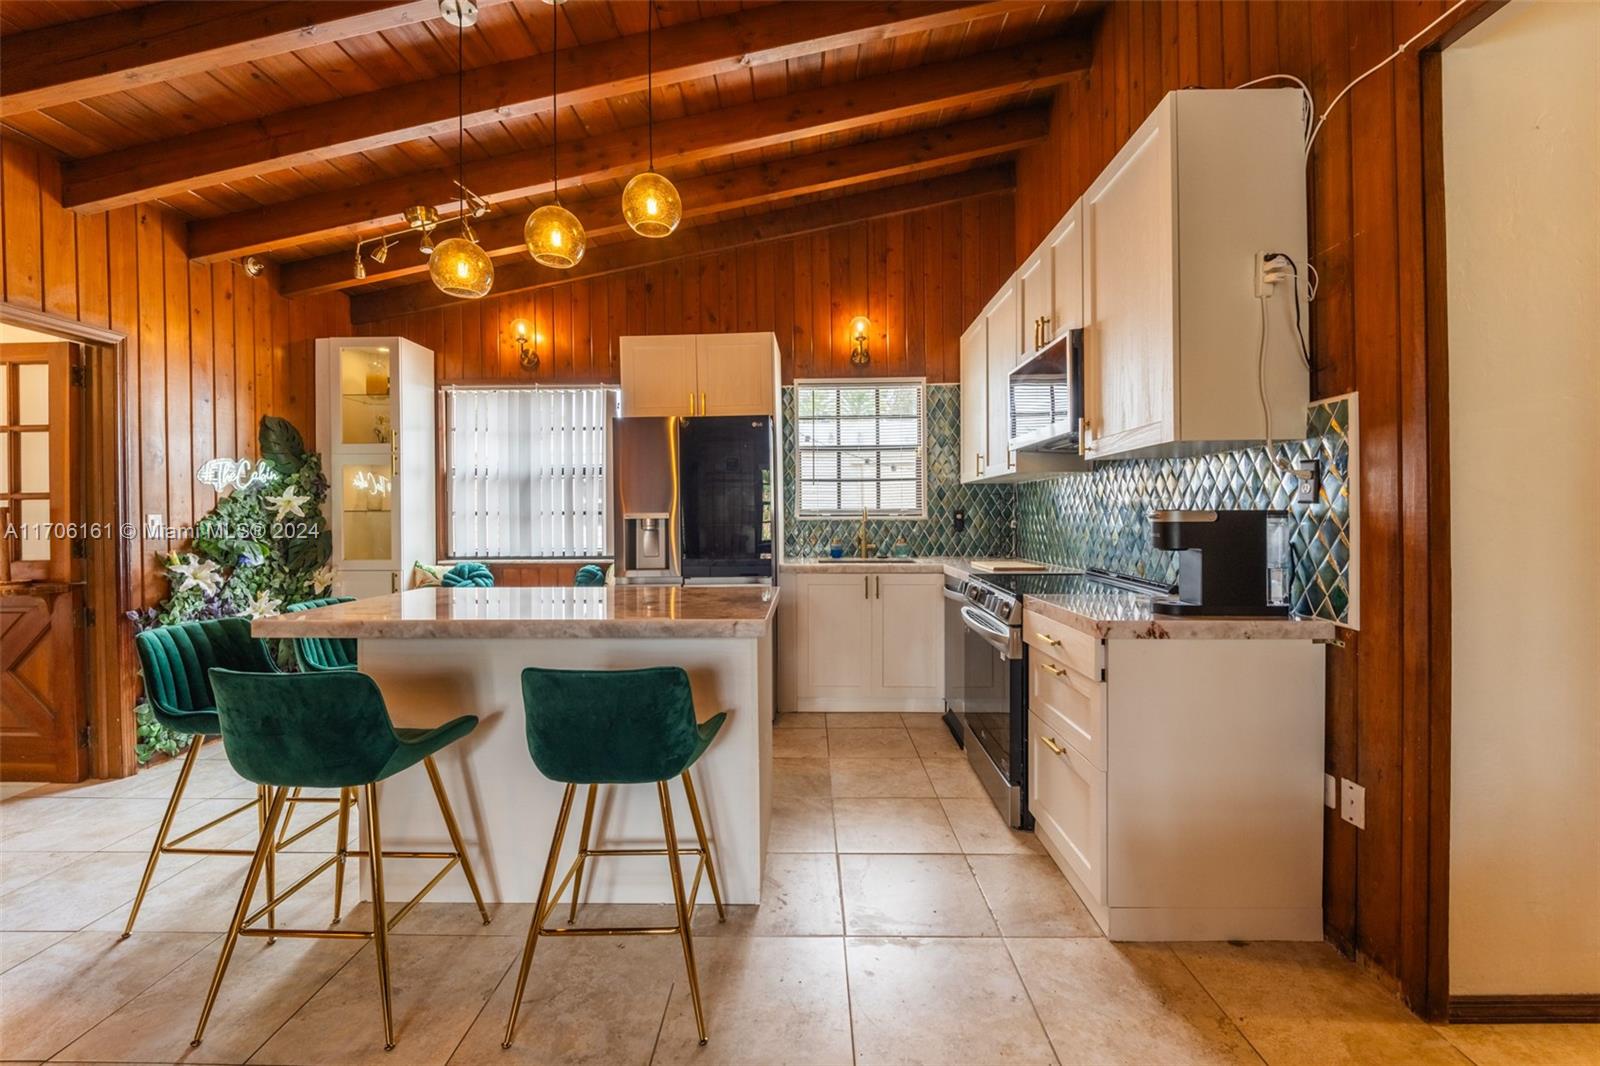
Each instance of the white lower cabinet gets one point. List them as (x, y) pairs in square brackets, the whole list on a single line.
[(1180, 790), (871, 640)]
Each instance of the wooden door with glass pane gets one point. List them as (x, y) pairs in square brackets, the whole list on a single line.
[(43, 711)]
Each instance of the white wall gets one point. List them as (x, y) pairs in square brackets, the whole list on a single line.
[(1522, 193)]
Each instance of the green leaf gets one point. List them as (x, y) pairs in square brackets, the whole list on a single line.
[(280, 443)]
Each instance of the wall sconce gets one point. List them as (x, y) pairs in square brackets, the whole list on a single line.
[(253, 267), (858, 335), (523, 334)]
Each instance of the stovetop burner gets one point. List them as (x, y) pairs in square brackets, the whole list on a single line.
[(1000, 595)]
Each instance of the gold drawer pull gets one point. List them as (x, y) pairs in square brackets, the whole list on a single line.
[(1047, 639), (1053, 746), (1053, 669)]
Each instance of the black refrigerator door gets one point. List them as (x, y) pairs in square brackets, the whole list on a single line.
[(725, 481)]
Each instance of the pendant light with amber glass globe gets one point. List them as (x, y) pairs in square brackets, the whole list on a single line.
[(554, 235), (650, 203), (458, 266)]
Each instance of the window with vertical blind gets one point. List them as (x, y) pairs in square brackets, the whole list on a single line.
[(526, 472), (861, 446)]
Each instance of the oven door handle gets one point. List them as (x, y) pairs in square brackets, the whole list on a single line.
[(955, 595), (999, 640)]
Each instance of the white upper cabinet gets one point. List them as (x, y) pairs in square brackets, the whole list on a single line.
[(1173, 228), (1001, 323), (974, 398), (1063, 250), (699, 374), (1038, 300)]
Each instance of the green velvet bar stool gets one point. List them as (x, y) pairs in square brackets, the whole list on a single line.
[(617, 727), (174, 661), (318, 654), (327, 730)]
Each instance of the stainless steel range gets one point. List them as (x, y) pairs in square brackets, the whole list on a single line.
[(986, 672)]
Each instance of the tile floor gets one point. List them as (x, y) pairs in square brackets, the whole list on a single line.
[(904, 923)]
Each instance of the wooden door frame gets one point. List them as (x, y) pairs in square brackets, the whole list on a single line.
[(108, 652)]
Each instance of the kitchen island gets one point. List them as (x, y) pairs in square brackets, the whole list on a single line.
[(441, 652)]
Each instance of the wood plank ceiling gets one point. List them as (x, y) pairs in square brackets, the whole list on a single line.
[(293, 130)]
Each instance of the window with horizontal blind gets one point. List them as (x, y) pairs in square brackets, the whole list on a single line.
[(526, 472), (861, 445)]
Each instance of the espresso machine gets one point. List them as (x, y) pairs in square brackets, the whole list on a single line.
[(1229, 562), (644, 461)]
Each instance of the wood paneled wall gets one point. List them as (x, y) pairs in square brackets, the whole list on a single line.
[(1368, 335), (921, 277), (209, 350)]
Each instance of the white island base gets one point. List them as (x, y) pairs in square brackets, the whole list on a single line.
[(507, 808)]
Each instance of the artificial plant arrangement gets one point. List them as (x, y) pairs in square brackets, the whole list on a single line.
[(264, 546)]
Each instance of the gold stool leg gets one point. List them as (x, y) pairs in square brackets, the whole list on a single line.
[(288, 816), (705, 845), (166, 827), (583, 851), (272, 858), (380, 919), (538, 909), (343, 851), (251, 877), (683, 908), (455, 835)]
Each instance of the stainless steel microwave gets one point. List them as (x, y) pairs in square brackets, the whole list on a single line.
[(1046, 397)]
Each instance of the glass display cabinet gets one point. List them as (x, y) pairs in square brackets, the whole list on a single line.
[(375, 432)]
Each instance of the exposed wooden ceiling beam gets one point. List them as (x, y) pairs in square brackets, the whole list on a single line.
[(778, 120), (427, 108), (695, 240), (123, 49), (766, 183)]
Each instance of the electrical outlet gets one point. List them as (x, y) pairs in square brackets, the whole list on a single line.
[(1268, 272), (1309, 471), (1353, 803), (154, 524), (1330, 792)]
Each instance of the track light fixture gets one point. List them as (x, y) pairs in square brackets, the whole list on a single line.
[(253, 267)]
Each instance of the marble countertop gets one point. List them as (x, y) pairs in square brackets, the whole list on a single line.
[(738, 611), (954, 565), (1108, 612)]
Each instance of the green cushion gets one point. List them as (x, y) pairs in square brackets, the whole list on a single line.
[(174, 661), (589, 576), (323, 653), (472, 575), (613, 726), (321, 730)]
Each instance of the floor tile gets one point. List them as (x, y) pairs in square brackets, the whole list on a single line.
[(767, 1000), (444, 919), (923, 720), (882, 778), (54, 823), (589, 1000), (870, 743), (237, 831), (954, 778), (1030, 897), (1526, 1045), (801, 720), (799, 743), (892, 825), (440, 986), (801, 777), (864, 720), (799, 897), (17, 947), (912, 895), (53, 998), (941, 1001), (21, 867), (82, 891), (1105, 1002), (934, 742), (264, 986), (1305, 1003), (801, 823), (981, 831), (12, 789)]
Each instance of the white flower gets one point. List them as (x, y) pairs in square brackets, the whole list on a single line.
[(196, 573), (322, 580), (288, 503), (264, 605)]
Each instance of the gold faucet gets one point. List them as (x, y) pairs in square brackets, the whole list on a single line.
[(864, 547)]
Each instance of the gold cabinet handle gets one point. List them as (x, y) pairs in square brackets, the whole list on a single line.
[(691, 401), (977, 468), (1053, 746), (866, 586), (702, 403), (1083, 435), (1046, 638), (1053, 669), (877, 587)]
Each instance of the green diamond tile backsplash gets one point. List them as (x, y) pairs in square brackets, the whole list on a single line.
[(1100, 518), (990, 509)]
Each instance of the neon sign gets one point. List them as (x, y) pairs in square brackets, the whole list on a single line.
[(224, 474)]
